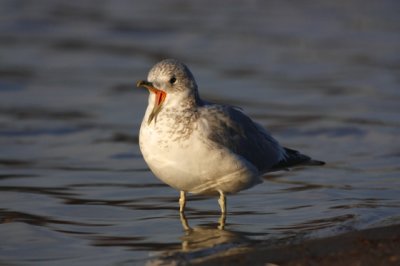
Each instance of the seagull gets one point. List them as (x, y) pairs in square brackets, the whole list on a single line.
[(204, 148)]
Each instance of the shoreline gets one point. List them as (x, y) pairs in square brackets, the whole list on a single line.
[(375, 246)]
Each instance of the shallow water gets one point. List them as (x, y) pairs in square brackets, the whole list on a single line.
[(322, 77)]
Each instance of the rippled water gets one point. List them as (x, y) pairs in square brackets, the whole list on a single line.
[(323, 77)]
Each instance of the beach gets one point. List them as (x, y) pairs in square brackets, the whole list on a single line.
[(375, 246)]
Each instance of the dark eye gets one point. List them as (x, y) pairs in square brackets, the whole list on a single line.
[(172, 80)]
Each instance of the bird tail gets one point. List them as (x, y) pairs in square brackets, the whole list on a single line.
[(295, 158)]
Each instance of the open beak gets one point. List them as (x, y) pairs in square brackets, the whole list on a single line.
[(160, 98)]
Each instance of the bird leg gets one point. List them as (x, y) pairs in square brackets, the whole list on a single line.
[(182, 201), (221, 221), (222, 201), (185, 223)]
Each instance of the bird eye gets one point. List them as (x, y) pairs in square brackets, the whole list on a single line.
[(172, 80)]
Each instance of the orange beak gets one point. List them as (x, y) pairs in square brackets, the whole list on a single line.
[(160, 98)]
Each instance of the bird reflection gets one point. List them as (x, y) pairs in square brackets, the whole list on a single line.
[(208, 238), (200, 243)]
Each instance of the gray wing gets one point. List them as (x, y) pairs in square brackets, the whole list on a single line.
[(230, 128)]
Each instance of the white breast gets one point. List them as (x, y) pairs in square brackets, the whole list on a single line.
[(192, 163)]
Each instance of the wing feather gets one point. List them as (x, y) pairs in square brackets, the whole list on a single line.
[(230, 128)]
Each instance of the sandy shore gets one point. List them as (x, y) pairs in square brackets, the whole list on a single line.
[(377, 246)]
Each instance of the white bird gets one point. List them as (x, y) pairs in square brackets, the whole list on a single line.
[(200, 147)]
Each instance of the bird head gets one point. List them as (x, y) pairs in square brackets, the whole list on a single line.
[(170, 81)]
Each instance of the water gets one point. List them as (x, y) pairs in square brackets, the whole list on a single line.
[(323, 77)]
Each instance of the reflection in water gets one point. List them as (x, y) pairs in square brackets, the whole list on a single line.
[(202, 242)]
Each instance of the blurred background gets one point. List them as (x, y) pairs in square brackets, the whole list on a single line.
[(322, 76)]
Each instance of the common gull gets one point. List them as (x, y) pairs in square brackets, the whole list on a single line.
[(201, 147)]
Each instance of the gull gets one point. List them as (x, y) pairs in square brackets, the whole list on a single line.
[(200, 147)]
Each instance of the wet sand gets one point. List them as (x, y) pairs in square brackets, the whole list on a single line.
[(376, 246)]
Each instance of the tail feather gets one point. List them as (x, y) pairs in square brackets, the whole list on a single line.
[(295, 158)]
